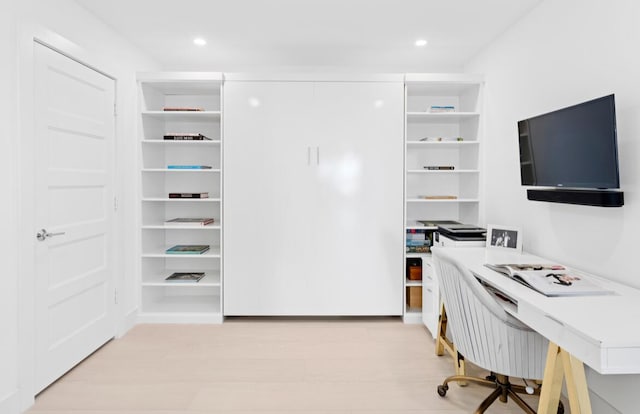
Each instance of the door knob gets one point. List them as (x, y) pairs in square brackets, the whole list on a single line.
[(43, 234)]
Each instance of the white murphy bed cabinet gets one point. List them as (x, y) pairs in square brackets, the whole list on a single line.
[(163, 301), (313, 175), (313, 196), (432, 140)]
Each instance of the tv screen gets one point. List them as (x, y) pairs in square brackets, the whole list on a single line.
[(574, 147)]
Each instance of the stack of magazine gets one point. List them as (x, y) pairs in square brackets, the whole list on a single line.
[(550, 280)]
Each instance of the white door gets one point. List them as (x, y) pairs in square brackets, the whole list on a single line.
[(267, 167), (359, 211), (74, 136)]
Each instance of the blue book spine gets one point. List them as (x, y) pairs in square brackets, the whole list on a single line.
[(187, 167)]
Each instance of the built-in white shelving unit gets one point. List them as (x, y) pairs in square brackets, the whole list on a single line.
[(188, 302), (440, 139)]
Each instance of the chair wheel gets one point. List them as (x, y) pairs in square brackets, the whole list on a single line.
[(442, 390), (560, 408)]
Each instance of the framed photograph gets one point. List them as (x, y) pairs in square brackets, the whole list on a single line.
[(504, 237)]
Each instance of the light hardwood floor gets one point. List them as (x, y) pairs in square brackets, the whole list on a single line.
[(266, 366)]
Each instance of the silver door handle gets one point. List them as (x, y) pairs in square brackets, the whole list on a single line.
[(318, 155), (43, 234), (308, 155)]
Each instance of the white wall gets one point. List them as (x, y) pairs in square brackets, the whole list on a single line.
[(562, 53), (8, 213), (86, 38)]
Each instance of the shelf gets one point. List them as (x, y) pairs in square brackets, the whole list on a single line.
[(417, 254), (442, 118), (175, 302), (183, 115), (163, 227), (442, 143), (181, 142), (421, 227), (412, 282), (441, 84), (196, 87), (431, 139), (455, 200), (425, 171), (214, 252), (182, 200), (179, 170)]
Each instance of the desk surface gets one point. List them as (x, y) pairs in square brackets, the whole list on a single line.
[(602, 331)]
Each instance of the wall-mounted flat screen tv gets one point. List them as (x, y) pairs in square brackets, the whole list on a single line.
[(573, 147)]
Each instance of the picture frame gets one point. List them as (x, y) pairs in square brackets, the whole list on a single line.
[(504, 237)]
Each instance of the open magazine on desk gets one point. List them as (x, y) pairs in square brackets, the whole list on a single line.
[(550, 280)]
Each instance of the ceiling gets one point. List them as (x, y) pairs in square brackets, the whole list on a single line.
[(254, 35)]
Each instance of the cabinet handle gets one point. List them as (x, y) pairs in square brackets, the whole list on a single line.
[(318, 155), (308, 155)]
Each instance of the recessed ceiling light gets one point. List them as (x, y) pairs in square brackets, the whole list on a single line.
[(421, 42), (199, 41)]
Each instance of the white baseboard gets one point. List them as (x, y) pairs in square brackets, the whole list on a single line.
[(9, 403), (128, 321)]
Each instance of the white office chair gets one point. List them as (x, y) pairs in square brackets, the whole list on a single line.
[(487, 336)]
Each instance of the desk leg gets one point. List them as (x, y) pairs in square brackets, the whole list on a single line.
[(561, 364), (441, 335), (552, 382), (444, 344), (576, 384)]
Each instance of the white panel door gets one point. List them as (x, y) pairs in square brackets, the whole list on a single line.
[(74, 154), (267, 199), (359, 181)]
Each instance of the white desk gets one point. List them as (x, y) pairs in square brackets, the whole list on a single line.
[(600, 331)]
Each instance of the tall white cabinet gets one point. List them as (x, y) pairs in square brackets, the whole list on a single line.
[(313, 196), (443, 129), (160, 300)]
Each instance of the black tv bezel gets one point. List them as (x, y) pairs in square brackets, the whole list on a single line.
[(614, 142)]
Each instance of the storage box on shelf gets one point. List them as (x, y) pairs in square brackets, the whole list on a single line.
[(442, 164), (187, 164)]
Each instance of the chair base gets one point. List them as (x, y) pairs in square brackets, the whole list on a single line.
[(503, 390)]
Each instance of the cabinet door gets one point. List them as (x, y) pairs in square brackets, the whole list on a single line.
[(359, 182), (267, 207)]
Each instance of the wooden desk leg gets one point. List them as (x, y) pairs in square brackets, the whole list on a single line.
[(561, 364), (552, 382), (444, 344), (441, 335), (576, 384)]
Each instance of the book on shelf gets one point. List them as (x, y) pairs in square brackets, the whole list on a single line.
[(188, 195), (182, 109), (185, 277), (418, 241), (439, 167), (184, 221), (188, 167), (184, 136), (436, 223), (188, 249), (438, 197), (418, 249), (550, 279), (441, 108)]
